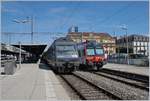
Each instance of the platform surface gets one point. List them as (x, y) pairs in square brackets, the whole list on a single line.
[(128, 68), (32, 82)]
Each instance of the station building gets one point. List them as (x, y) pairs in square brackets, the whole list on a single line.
[(138, 44), (107, 40)]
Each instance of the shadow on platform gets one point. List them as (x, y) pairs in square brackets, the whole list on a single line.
[(28, 61), (44, 66)]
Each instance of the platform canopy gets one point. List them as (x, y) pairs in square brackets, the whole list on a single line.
[(9, 49), (33, 48)]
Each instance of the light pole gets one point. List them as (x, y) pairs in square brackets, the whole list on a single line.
[(19, 54), (125, 28), (32, 29), (17, 21), (116, 48), (31, 21), (20, 21), (81, 37)]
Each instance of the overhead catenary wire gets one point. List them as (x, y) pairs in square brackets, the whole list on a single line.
[(62, 23), (133, 20), (114, 14), (68, 18)]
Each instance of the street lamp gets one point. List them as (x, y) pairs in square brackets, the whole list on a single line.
[(125, 28)]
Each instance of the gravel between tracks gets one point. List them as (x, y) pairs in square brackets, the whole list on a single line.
[(88, 91), (122, 90)]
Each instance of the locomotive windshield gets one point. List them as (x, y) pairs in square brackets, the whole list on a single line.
[(66, 51), (65, 48), (90, 51), (99, 51)]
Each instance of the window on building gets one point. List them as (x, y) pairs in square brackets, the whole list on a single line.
[(138, 48), (132, 38), (147, 39), (137, 38), (145, 44), (144, 39), (140, 38), (141, 43), (142, 48), (138, 43), (135, 43)]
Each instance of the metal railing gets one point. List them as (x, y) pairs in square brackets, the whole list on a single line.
[(138, 62)]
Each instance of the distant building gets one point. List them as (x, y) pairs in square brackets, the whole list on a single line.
[(138, 44), (73, 29), (104, 38)]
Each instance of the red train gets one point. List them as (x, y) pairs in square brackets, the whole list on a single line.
[(91, 54)]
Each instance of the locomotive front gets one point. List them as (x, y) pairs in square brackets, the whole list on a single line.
[(66, 57), (91, 55), (95, 56)]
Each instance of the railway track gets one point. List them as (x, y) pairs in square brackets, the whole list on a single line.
[(128, 75), (92, 86), (88, 90), (132, 82)]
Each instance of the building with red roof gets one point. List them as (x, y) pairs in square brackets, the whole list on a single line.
[(106, 39)]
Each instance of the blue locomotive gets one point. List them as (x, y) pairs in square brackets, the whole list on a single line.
[(62, 55)]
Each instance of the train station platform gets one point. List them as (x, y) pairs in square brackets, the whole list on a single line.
[(128, 68), (32, 82)]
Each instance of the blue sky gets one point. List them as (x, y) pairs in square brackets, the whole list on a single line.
[(58, 16)]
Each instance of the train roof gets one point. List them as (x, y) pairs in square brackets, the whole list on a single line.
[(90, 43), (63, 39)]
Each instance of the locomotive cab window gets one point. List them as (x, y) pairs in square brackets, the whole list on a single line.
[(99, 51), (63, 48), (66, 51), (90, 51)]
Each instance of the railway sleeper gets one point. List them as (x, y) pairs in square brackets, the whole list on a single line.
[(98, 87)]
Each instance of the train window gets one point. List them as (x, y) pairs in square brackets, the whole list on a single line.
[(99, 51), (66, 51), (65, 47), (90, 51), (67, 54)]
